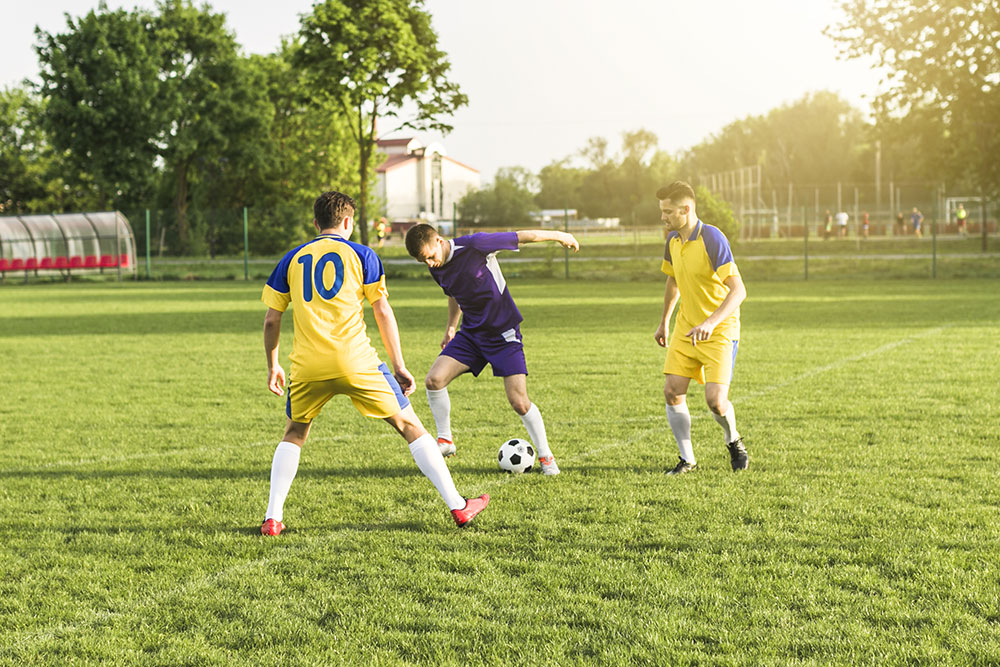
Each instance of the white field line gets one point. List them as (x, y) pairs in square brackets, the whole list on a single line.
[(153, 601)]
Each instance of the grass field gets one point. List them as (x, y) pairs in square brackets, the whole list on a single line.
[(138, 437)]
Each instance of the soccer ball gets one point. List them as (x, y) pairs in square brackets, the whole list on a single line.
[(516, 456)]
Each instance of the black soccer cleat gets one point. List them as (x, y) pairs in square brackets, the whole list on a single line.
[(738, 457), (683, 467)]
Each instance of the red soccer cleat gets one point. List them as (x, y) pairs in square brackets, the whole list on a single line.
[(473, 506), (447, 447), (271, 527)]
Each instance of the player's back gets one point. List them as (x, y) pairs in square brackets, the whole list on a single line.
[(325, 281)]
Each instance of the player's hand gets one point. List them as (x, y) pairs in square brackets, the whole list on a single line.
[(449, 333), (276, 380), (405, 380), (567, 240), (661, 335), (702, 332)]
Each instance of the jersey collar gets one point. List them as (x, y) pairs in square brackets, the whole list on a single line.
[(696, 233), (451, 252)]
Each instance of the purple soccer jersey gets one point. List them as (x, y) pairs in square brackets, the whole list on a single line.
[(472, 277)]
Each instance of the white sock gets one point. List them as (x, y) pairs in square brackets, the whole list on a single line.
[(284, 465), (428, 457), (440, 404), (532, 420), (680, 423), (728, 423)]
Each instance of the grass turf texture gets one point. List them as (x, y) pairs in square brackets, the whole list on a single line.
[(138, 437)]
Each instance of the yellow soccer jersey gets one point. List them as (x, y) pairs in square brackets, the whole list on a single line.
[(325, 280), (700, 265)]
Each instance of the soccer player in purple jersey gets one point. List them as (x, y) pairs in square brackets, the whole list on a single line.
[(467, 270)]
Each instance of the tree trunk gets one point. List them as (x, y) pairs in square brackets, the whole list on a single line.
[(361, 221), (180, 205)]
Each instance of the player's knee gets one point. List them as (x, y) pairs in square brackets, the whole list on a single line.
[(672, 396), (717, 404), (434, 382), (521, 404)]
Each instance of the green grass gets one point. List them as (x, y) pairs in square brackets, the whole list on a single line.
[(138, 436)]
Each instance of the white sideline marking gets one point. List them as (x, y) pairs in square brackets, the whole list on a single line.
[(60, 630)]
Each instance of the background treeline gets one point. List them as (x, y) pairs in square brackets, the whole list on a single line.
[(138, 109)]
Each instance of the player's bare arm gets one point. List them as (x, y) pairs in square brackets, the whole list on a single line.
[(671, 295), (389, 330), (454, 314), (737, 293), (564, 239), (272, 334)]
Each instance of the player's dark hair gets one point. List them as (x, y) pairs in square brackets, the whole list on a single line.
[(332, 207), (676, 191), (419, 236)]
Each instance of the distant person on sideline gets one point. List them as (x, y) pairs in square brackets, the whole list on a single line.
[(917, 218), (961, 215), (702, 275), (864, 224), (842, 218), (827, 225), (900, 224), (327, 280)]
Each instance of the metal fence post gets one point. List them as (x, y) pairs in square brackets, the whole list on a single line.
[(566, 228), (246, 247), (805, 238), (147, 245)]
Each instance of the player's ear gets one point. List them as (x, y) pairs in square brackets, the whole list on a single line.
[(316, 225)]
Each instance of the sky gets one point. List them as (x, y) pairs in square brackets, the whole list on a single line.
[(543, 76)]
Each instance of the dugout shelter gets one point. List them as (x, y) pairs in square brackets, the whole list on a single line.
[(66, 243)]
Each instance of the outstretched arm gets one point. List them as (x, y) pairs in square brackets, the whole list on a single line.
[(389, 330), (272, 334), (535, 235)]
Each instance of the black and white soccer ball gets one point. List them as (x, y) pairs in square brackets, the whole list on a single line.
[(516, 456)]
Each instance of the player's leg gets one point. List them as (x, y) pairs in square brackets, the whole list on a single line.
[(442, 372), (428, 458), (720, 362), (675, 392), (516, 388), (284, 465)]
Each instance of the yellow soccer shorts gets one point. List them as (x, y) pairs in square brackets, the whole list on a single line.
[(375, 393), (712, 360)]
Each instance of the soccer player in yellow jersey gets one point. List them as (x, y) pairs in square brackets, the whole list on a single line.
[(702, 275), (326, 281)]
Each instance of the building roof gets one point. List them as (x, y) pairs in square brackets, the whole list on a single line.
[(396, 161)]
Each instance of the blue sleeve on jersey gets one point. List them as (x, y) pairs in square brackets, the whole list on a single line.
[(717, 246), (487, 243), (666, 248), (371, 265), (279, 277)]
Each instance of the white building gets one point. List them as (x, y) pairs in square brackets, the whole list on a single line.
[(418, 182)]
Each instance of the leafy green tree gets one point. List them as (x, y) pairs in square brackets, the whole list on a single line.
[(507, 202), (559, 185), (943, 83), (715, 211), (374, 58), (104, 108), (219, 112)]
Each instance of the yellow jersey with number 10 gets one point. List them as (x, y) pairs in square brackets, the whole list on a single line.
[(326, 281)]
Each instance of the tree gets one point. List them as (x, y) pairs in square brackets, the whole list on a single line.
[(508, 202), (104, 108), (944, 67), (715, 211), (373, 57), (218, 109)]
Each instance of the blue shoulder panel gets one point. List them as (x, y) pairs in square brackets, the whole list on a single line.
[(717, 246), (371, 265), (279, 277), (666, 249)]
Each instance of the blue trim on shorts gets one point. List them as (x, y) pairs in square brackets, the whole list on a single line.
[(288, 400), (404, 402), (732, 371)]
